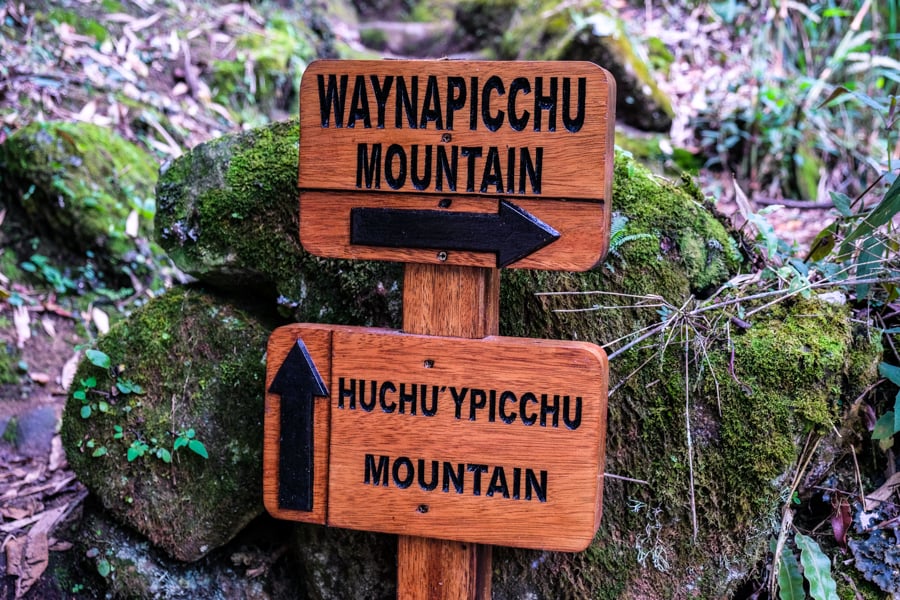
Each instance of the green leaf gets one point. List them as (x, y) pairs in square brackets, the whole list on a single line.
[(164, 454), (180, 442), (198, 447), (842, 203), (133, 454), (190, 433), (823, 244), (79, 395), (790, 581), (881, 214), (889, 372), (90, 382), (99, 452), (85, 411), (816, 569), (103, 567), (884, 427), (897, 413), (103, 406), (98, 358), (868, 262)]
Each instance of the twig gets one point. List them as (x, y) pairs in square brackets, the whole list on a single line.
[(687, 420), (623, 478), (653, 331), (791, 203)]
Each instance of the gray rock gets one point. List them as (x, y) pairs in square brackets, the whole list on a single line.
[(35, 431)]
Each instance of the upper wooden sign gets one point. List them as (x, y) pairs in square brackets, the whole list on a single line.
[(488, 164), (495, 440)]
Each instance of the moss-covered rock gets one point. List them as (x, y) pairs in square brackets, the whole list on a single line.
[(554, 30), (188, 360), (227, 213), (77, 184)]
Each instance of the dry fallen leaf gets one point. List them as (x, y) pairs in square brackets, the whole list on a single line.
[(68, 371), (49, 326), (39, 378), (884, 492), (23, 325), (57, 454), (100, 319), (131, 224)]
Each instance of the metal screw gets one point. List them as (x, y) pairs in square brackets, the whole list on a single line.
[(428, 363), (423, 508), (446, 138), (445, 203), (442, 256)]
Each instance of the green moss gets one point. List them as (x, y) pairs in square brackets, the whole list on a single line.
[(265, 74), (752, 395), (78, 183), (554, 30), (11, 431), (237, 226), (200, 363), (373, 37)]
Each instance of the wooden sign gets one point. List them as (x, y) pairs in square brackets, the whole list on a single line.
[(493, 440), (488, 164)]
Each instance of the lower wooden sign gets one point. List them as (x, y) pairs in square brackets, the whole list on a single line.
[(496, 440)]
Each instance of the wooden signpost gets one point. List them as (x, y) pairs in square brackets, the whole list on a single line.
[(445, 433)]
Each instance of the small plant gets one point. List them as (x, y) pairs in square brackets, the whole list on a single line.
[(137, 449), (86, 385), (39, 264), (187, 438)]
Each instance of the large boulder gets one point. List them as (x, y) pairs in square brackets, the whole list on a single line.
[(80, 187), (164, 421), (555, 30), (707, 411)]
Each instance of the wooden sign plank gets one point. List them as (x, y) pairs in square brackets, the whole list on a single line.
[(582, 244), (422, 135), (456, 438), (277, 495)]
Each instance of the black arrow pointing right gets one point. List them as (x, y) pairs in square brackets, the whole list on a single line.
[(297, 382), (511, 233)]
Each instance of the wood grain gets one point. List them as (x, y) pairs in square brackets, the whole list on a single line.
[(575, 182), (463, 302), (418, 449), (583, 229), (575, 165), (318, 343)]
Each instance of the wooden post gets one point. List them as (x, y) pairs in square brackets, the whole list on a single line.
[(461, 302)]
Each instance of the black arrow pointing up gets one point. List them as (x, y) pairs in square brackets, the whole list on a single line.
[(511, 234), (296, 381)]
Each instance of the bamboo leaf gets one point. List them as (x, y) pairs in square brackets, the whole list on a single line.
[(790, 581), (842, 203), (867, 263), (816, 569), (823, 244), (881, 214)]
